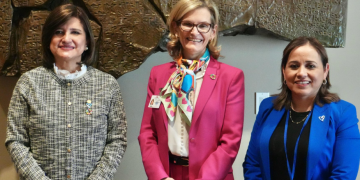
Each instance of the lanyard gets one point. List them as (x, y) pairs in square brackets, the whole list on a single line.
[(292, 171)]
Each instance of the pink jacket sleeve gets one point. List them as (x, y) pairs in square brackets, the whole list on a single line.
[(148, 138)]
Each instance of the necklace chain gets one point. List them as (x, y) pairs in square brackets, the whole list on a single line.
[(298, 121)]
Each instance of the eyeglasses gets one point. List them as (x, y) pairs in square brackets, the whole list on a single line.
[(201, 27)]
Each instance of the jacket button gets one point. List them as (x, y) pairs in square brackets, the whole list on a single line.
[(192, 140)]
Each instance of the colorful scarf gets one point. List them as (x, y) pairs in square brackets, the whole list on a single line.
[(180, 86)]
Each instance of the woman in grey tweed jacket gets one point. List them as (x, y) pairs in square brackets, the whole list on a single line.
[(66, 119)]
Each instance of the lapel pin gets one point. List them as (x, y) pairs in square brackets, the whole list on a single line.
[(213, 76), (88, 110), (322, 117)]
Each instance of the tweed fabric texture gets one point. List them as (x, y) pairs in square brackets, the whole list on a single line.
[(49, 135)]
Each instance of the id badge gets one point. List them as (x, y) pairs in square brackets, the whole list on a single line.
[(154, 102)]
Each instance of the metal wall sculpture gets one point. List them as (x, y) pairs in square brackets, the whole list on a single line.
[(128, 31)]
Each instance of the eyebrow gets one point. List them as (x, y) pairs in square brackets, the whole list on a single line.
[(72, 29), (197, 23), (307, 61), (75, 29)]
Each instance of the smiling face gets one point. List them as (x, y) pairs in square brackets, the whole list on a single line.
[(193, 42), (69, 41), (304, 72)]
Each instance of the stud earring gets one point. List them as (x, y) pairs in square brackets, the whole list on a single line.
[(86, 48), (324, 82)]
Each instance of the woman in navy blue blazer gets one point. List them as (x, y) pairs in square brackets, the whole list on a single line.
[(304, 132)]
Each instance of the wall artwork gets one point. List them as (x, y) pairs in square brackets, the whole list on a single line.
[(128, 31)]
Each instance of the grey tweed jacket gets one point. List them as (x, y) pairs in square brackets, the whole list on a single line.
[(50, 135)]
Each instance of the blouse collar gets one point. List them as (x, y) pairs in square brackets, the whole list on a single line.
[(65, 74)]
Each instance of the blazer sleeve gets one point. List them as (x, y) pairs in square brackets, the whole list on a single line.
[(148, 139), (346, 155), (218, 164), (252, 164), (17, 140), (116, 141)]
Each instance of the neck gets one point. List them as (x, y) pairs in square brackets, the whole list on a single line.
[(69, 66), (302, 105)]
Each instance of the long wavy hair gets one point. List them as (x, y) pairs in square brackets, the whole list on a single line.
[(178, 12), (323, 96)]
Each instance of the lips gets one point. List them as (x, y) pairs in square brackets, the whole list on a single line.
[(194, 40), (302, 82), (66, 47)]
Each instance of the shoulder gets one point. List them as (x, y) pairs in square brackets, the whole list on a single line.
[(33, 80), (341, 107), (267, 103), (265, 109), (35, 75), (341, 104), (342, 113), (39, 71), (162, 68), (225, 72), (225, 68), (100, 75), (161, 73), (344, 119), (100, 78)]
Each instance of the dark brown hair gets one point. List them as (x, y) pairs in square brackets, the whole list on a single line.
[(283, 99), (178, 12), (59, 16)]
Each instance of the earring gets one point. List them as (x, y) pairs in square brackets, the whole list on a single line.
[(285, 82), (324, 82)]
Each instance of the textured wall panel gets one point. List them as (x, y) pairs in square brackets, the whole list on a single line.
[(6, 12), (232, 12), (325, 20), (28, 3), (29, 46), (128, 31), (131, 30)]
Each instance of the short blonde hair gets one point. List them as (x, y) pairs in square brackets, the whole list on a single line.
[(178, 12)]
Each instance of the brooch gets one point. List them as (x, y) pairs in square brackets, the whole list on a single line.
[(213, 76), (88, 105)]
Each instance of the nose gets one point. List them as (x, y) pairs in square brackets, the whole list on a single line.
[(302, 72), (194, 30), (66, 38)]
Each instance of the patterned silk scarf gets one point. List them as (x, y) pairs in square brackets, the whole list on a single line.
[(180, 88)]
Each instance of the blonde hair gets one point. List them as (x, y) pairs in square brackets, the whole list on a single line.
[(178, 12)]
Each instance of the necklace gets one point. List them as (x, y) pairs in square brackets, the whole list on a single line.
[(298, 121)]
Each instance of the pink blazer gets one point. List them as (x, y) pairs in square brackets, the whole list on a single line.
[(216, 128)]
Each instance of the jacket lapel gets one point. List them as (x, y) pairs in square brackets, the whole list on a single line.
[(268, 127), (318, 130), (206, 89)]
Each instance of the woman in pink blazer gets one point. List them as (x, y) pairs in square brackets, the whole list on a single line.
[(194, 110)]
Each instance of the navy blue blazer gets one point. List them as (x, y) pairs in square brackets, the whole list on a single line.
[(334, 142)]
